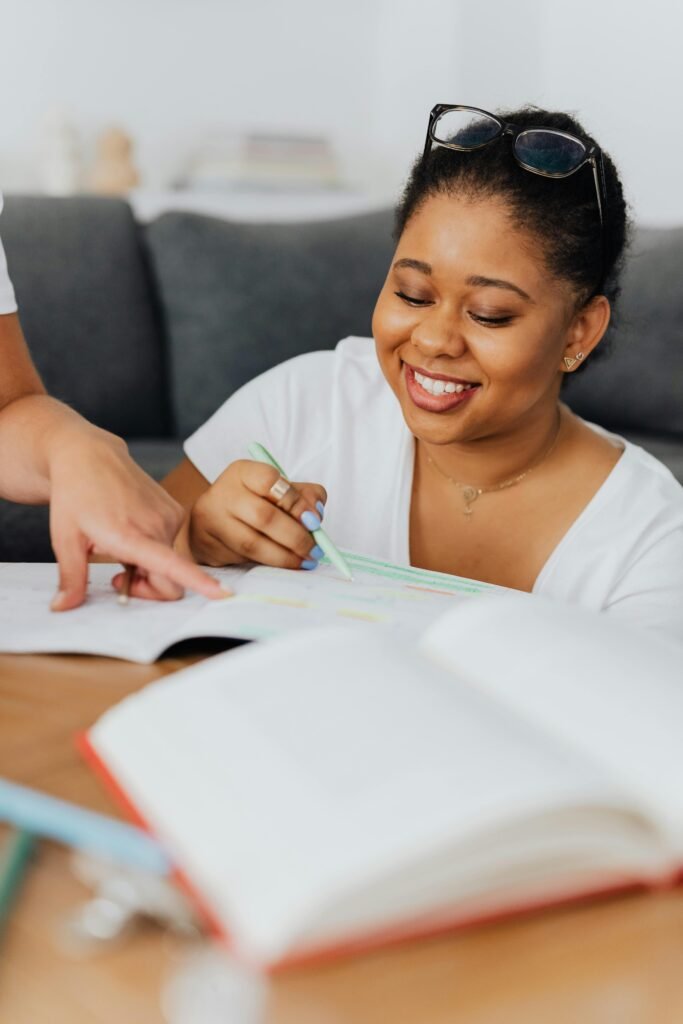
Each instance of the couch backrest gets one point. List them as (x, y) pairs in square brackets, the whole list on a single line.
[(87, 308), (638, 386), (147, 332), (239, 298)]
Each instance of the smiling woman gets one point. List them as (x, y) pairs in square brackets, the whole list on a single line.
[(446, 444)]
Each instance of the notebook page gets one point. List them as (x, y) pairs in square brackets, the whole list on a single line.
[(284, 775), (138, 631), (613, 693), (272, 601)]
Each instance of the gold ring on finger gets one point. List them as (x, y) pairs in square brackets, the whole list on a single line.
[(280, 489)]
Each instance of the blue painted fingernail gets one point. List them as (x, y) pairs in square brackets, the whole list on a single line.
[(310, 520), (310, 563), (317, 553), (321, 508)]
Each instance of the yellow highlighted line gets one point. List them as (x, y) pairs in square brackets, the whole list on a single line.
[(351, 613)]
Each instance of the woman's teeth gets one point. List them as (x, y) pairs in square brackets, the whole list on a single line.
[(440, 387)]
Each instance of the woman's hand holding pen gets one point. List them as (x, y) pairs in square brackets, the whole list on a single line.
[(239, 520)]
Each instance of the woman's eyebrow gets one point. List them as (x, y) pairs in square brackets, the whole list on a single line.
[(494, 282), (424, 268), (475, 281)]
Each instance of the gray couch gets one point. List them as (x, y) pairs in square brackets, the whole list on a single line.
[(146, 330)]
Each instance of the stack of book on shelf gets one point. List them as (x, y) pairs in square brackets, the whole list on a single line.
[(256, 160)]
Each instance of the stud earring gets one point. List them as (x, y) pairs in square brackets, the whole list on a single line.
[(569, 362)]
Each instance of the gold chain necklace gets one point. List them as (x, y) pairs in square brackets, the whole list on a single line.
[(470, 493)]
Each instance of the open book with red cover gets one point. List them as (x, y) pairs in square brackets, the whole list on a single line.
[(332, 789)]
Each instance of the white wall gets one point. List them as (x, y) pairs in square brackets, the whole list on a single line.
[(173, 70), (367, 71), (615, 63), (620, 65)]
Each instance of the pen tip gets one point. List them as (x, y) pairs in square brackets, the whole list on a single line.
[(123, 598)]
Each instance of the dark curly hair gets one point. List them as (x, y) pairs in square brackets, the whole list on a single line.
[(561, 213)]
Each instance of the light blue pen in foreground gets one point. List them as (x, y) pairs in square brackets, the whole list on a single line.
[(261, 454), (47, 816)]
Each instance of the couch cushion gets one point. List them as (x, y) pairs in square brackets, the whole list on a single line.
[(239, 298), (25, 533), (639, 386), (157, 457), (87, 308)]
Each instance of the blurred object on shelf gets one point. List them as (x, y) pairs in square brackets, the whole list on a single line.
[(114, 172), (62, 161), (262, 161)]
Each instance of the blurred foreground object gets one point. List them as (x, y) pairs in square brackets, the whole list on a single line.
[(209, 987), (65, 822), (14, 860), (123, 898), (114, 172), (410, 788)]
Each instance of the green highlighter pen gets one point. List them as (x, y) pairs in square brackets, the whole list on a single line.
[(261, 454), (16, 854)]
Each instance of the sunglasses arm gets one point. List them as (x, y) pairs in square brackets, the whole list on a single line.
[(600, 185), (428, 139), (598, 166)]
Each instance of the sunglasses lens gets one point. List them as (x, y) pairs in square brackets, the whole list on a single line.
[(549, 152), (465, 129)]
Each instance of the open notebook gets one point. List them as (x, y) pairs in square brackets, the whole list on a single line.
[(267, 602), (333, 789)]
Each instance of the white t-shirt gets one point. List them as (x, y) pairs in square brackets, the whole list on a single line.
[(331, 418), (7, 301)]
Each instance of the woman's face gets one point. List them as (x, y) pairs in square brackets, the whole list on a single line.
[(470, 326)]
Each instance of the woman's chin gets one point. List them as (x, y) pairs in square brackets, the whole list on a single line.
[(437, 427), (433, 430)]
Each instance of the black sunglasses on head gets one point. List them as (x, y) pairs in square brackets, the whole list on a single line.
[(546, 151)]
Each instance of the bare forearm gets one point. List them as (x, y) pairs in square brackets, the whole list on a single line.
[(33, 430), (28, 419), (185, 484), (18, 375)]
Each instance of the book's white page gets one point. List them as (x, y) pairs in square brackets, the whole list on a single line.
[(269, 601), (613, 693), (284, 776), (532, 861)]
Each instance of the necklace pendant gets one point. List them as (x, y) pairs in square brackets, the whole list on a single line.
[(469, 495)]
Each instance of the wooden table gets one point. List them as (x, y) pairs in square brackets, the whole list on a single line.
[(618, 961)]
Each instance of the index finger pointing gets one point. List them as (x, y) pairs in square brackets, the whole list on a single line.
[(158, 558)]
